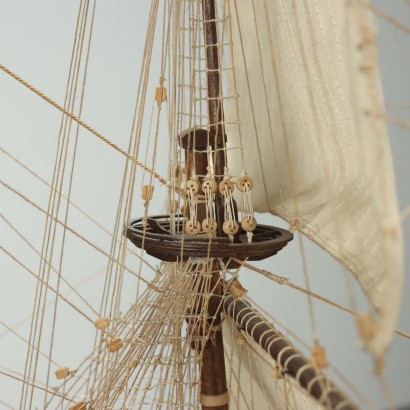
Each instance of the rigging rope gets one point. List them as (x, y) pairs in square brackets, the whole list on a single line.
[(85, 125)]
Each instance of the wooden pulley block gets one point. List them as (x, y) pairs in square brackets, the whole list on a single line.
[(366, 325), (147, 192), (240, 339), (278, 371), (62, 373), (248, 223), (244, 183), (230, 227), (114, 344), (209, 225), (319, 356), (192, 228), (81, 405), (102, 323), (192, 186), (225, 187), (160, 94), (209, 185)]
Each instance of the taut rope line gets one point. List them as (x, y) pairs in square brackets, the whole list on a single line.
[(85, 125)]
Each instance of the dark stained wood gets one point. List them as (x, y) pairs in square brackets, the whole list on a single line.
[(256, 326), (154, 235)]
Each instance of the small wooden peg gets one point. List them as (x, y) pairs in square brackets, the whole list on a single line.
[(160, 94), (193, 228), (244, 183), (225, 186), (81, 405), (230, 227), (147, 192), (248, 223), (319, 356), (192, 186), (102, 323), (114, 344), (62, 373), (209, 185), (209, 225)]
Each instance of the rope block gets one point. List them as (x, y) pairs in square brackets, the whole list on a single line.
[(225, 186), (102, 323), (160, 94), (240, 339), (62, 373), (81, 405), (230, 227), (244, 183), (319, 356), (367, 326), (114, 344), (192, 227), (209, 225), (248, 223), (147, 192)]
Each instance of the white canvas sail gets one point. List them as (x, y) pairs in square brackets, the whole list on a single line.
[(314, 136)]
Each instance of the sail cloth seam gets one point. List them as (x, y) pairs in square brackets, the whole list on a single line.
[(85, 125)]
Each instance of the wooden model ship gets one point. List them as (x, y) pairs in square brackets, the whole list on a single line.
[(241, 108)]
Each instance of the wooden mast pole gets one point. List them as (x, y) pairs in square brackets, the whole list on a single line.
[(214, 391)]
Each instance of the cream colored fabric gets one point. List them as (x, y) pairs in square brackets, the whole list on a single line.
[(315, 141)]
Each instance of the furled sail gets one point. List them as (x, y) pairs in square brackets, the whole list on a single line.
[(253, 377), (313, 134)]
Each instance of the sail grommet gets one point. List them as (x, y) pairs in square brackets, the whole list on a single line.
[(244, 183), (209, 185), (248, 223), (192, 186), (102, 323), (192, 227), (62, 373), (230, 227), (81, 405), (114, 344), (209, 225), (226, 186)]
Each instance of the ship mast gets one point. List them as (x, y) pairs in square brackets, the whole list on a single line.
[(221, 245)]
